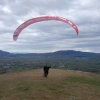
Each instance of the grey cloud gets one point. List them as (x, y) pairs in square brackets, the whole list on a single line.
[(51, 35)]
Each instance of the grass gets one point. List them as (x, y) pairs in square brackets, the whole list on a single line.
[(60, 85)]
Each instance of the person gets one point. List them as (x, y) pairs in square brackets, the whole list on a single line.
[(46, 70)]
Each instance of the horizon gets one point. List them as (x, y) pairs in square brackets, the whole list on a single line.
[(48, 52)]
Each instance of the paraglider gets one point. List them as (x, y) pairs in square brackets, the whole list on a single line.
[(46, 70), (39, 19)]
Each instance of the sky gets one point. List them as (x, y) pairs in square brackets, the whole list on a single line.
[(50, 36)]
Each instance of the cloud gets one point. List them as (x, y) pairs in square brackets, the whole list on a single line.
[(50, 36)]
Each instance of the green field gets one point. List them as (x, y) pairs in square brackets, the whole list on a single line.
[(60, 85)]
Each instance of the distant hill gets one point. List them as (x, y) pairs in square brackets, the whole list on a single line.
[(67, 53), (4, 53), (71, 53), (73, 60)]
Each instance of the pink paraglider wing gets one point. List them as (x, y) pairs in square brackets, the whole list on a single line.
[(39, 19)]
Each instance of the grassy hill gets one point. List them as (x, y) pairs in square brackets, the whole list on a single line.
[(60, 85)]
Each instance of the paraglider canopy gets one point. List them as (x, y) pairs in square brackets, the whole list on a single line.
[(39, 19)]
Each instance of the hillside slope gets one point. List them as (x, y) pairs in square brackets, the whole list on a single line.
[(60, 85)]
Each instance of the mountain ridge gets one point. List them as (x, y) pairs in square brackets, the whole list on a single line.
[(68, 53)]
